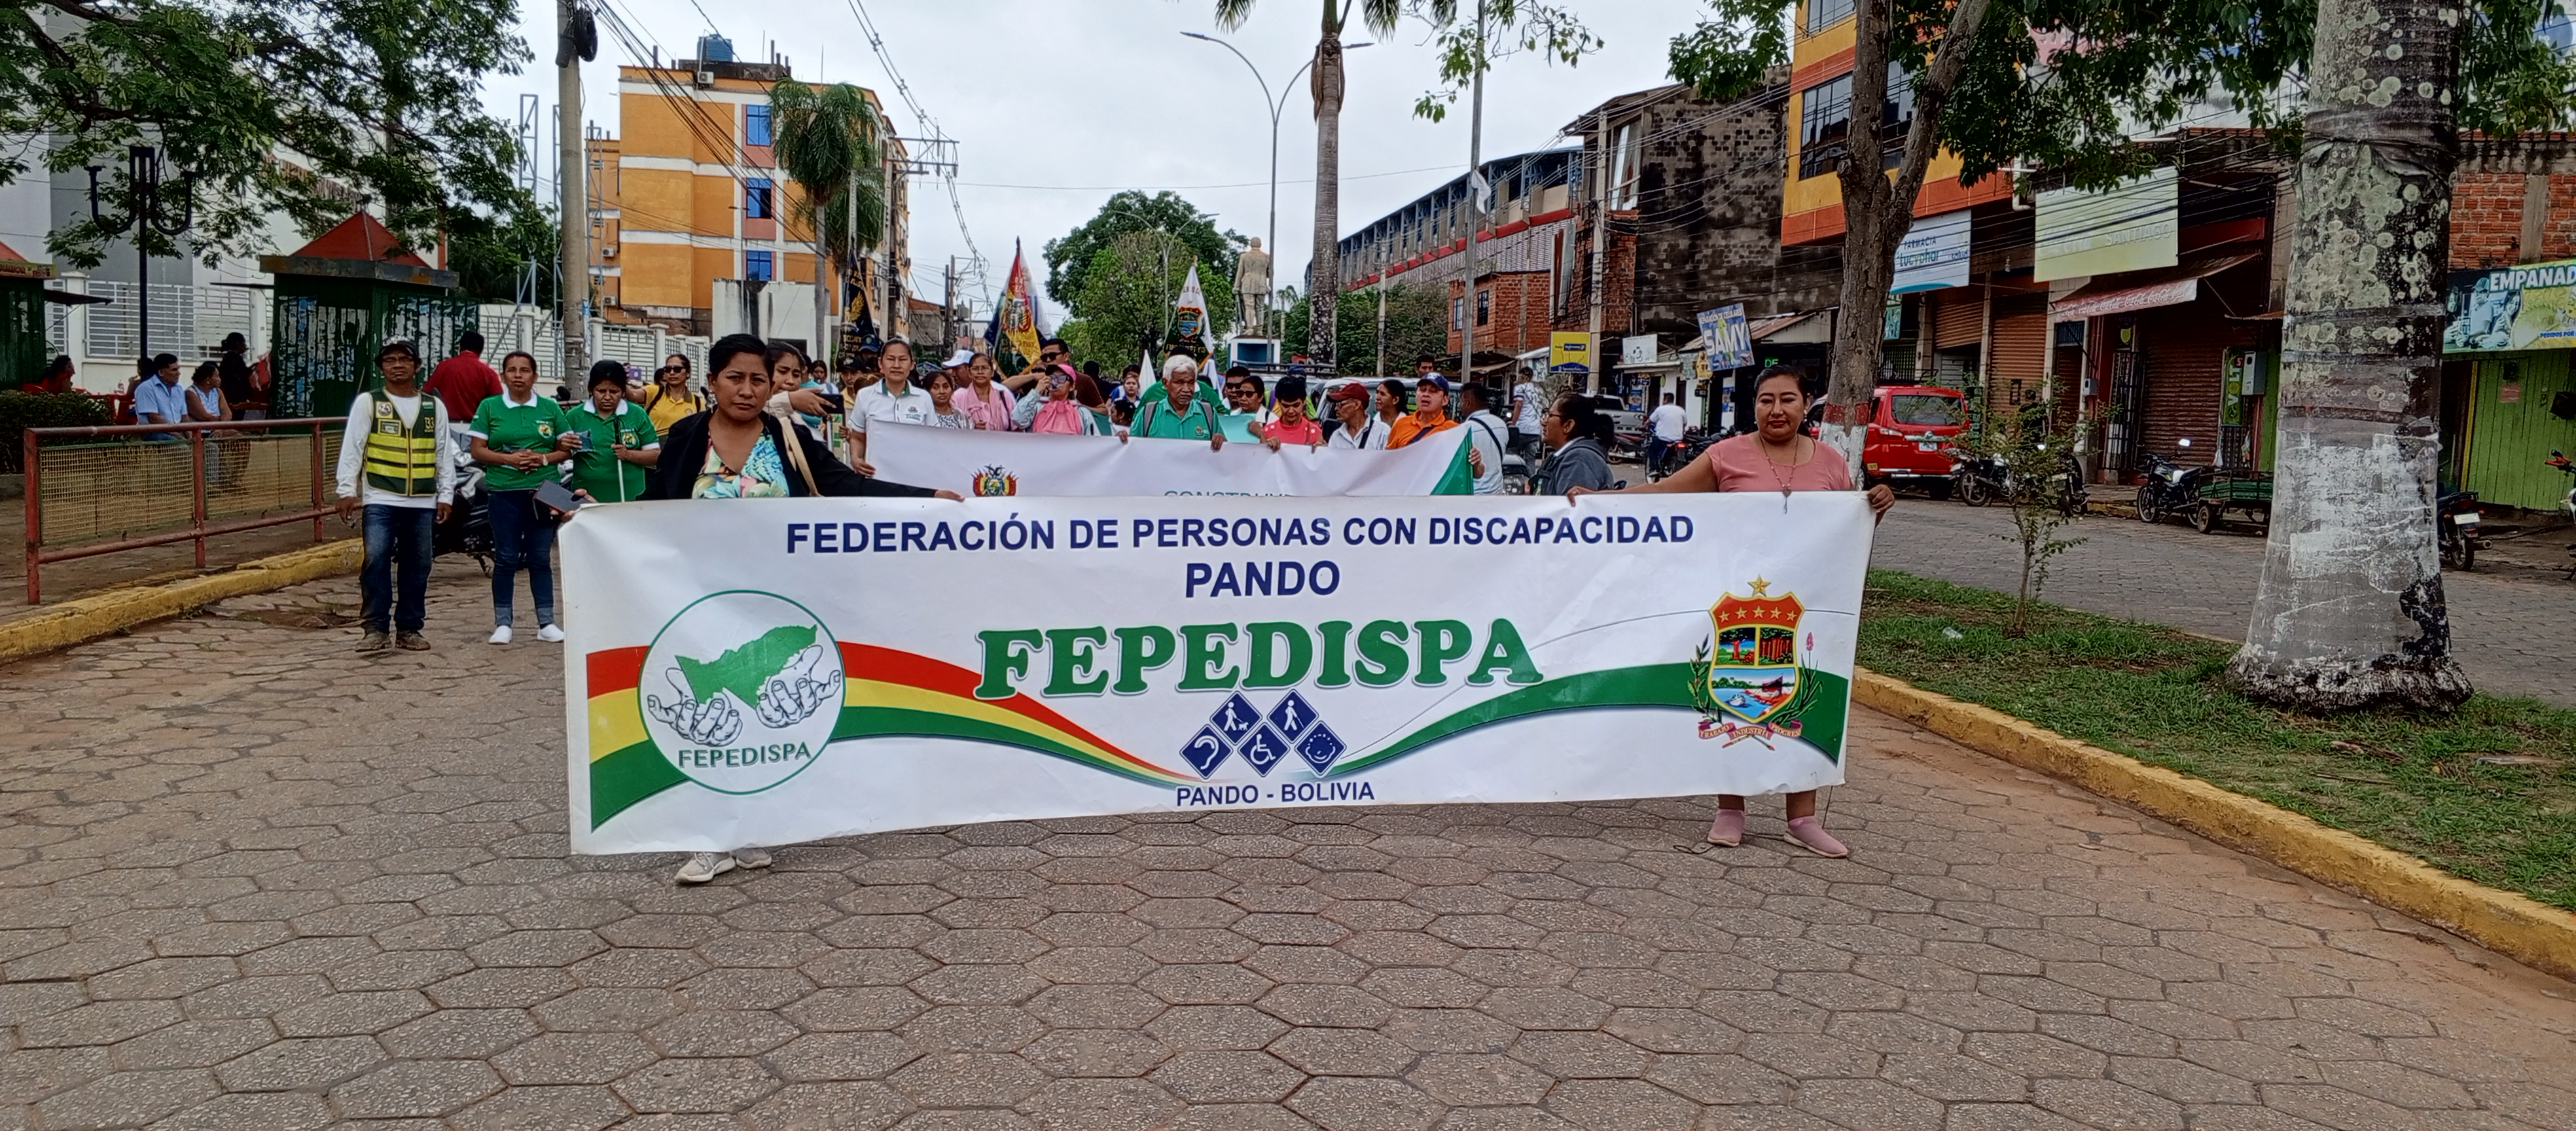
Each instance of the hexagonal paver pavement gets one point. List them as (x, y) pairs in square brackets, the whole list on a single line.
[(255, 881)]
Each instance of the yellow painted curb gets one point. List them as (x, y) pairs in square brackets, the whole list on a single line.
[(88, 618), (2524, 929)]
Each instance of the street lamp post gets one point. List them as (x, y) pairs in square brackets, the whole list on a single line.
[(1275, 106), (144, 207)]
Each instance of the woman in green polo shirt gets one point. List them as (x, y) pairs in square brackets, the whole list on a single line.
[(521, 439), (618, 440)]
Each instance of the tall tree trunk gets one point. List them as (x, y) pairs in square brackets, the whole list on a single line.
[(2350, 611), (1323, 281), (1877, 208)]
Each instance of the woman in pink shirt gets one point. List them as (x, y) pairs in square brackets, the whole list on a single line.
[(989, 405), (1780, 458)]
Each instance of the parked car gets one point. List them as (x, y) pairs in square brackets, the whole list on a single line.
[(1913, 437)]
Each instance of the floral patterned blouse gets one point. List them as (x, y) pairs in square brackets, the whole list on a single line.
[(763, 476)]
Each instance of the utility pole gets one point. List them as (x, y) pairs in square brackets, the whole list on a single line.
[(1599, 207), (1381, 321), (573, 166), (948, 306), (1475, 209)]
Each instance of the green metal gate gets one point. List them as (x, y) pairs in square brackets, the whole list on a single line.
[(328, 330)]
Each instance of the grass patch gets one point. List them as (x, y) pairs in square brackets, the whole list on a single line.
[(2411, 780)]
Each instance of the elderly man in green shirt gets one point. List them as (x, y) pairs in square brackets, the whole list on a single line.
[(1182, 414)]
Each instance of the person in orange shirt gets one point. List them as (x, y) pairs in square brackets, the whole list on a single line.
[(1430, 412)]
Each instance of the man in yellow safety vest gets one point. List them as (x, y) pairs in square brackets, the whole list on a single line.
[(398, 439)]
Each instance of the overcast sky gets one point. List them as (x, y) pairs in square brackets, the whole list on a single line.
[(1080, 98)]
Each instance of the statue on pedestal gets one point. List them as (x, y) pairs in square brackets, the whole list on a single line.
[(1252, 291)]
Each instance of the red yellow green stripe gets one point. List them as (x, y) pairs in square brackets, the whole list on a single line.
[(885, 693)]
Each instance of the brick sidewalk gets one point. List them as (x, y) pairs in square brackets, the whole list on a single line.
[(255, 881)]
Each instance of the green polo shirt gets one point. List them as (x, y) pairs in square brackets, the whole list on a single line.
[(596, 468), (526, 427), (1158, 420)]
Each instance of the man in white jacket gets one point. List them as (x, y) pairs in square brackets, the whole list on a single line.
[(399, 461)]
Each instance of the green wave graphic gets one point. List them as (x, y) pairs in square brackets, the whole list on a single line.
[(1647, 686)]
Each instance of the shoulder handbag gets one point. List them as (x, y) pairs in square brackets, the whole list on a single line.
[(795, 453)]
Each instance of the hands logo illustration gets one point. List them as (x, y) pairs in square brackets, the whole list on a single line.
[(711, 723), (793, 695), (786, 699)]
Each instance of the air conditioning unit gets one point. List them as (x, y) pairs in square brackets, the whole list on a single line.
[(608, 251), (706, 78)]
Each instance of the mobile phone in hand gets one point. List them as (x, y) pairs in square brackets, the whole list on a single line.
[(556, 497)]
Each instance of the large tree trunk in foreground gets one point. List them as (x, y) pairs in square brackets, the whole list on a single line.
[(1324, 281), (1878, 207), (2350, 610)]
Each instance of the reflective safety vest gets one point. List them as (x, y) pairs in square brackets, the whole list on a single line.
[(403, 460)]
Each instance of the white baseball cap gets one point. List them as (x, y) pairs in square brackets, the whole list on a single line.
[(959, 358)]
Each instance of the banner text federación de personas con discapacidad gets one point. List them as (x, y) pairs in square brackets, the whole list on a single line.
[(770, 671)]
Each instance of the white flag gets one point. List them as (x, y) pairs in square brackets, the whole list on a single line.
[(1190, 314), (1483, 190)]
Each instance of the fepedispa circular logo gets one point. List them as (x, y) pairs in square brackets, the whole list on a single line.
[(742, 690)]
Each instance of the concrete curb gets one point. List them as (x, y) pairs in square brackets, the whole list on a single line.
[(88, 618), (2521, 928)]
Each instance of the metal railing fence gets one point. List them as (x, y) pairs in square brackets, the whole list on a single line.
[(101, 490)]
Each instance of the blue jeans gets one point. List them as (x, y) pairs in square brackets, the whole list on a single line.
[(398, 551), (521, 540), (1655, 450)]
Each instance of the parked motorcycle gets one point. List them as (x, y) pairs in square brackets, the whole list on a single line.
[(2456, 512), (1982, 479), (2169, 488), (468, 529), (1679, 455)]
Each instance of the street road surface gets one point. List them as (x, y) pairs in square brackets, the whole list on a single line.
[(2514, 629), (255, 881)]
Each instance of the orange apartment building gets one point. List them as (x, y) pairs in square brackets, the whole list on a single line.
[(688, 193)]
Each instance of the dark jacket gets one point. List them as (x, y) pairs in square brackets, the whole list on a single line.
[(1577, 464), (684, 454)]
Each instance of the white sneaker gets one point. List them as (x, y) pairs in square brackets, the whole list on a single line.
[(704, 866), (550, 634), (751, 857), (501, 634)]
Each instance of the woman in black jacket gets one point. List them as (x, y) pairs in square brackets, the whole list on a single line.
[(734, 450)]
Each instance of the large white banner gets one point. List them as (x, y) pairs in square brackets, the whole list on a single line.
[(772, 671), (1031, 463)]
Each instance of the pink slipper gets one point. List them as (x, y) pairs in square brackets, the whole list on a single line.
[(1728, 829), (1810, 834)]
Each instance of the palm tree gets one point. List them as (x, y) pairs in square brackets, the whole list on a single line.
[(827, 141), (1324, 279), (2349, 611)]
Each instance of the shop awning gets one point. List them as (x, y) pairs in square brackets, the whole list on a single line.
[(1811, 327), (2143, 290)]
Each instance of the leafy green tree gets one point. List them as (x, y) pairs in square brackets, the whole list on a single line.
[(491, 253), (1507, 28), (1416, 324), (269, 106), (1128, 290), (1069, 258)]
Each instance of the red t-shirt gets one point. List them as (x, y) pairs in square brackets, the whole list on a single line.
[(462, 383), (1303, 432)]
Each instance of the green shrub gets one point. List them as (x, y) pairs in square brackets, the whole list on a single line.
[(20, 411)]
